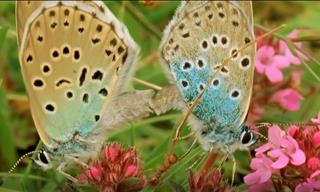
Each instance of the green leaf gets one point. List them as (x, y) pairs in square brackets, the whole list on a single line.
[(3, 34), (7, 147)]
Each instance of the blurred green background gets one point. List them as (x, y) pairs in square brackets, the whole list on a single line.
[(150, 136)]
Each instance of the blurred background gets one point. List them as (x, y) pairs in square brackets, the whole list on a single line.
[(146, 21)]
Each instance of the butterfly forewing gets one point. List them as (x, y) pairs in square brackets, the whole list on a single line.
[(196, 43), (73, 59), (25, 8)]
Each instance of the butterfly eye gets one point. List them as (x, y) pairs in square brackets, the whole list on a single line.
[(42, 156), (247, 138), (43, 160)]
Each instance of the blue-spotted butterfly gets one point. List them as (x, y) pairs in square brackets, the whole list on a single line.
[(75, 57), (197, 40)]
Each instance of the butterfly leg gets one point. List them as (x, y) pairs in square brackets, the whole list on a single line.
[(189, 150), (86, 140), (234, 168), (224, 158), (186, 136), (68, 176), (198, 160), (77, 161)]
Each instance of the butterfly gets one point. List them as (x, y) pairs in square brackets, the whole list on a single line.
[(75, 57), (201, 35)]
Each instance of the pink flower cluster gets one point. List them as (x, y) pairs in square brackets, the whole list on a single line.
[(293, 158), (116, 170), (288, 99), (280, 150), (270, 87), (211, 181), (272, 57)]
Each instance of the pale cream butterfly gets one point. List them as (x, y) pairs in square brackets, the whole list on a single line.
[(75, 58)]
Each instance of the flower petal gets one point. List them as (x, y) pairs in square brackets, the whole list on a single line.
[(282, 61), (281, 162), (264, 176), (298, 158), (303, 187), (252, 178), (263, 148), (275, 135), (274, 74)]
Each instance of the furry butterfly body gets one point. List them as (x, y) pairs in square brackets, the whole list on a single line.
[(198, 39), (75, 58)]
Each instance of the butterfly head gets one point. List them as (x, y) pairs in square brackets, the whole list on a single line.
[(43, 159), (227, 140), (247, 137)]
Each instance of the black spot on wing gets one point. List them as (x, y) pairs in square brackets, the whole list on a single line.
[(82, 76)]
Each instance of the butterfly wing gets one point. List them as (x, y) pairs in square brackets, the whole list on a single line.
[(25, 8), (73, 60), (198, 39)]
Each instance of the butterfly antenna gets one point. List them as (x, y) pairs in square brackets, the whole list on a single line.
[(20, 159), (261, 135), (299, 124)]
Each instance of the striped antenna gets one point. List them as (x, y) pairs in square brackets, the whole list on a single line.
[(300, 124), (20, 159), (266, 124), (261, 135)]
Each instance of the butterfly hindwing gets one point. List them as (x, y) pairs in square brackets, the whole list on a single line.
[(74, 59), (196, 42)]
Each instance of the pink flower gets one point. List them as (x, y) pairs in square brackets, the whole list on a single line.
[(293, 130), (263, 187), (131, 170), (288, 99), (263, 171), (269, 64), (294, 156), (289, 151), (316, 119), (285, 52), (283, 148), (112, 151), (316, 139), (313, 163), (312, 184), (274, 137), (296, 78), (117, 169), (285, 55), (210, 181)]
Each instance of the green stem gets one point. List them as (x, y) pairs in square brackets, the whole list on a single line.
[(141, 18)]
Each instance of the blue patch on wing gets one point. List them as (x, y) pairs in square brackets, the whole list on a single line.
[(215, 105)]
